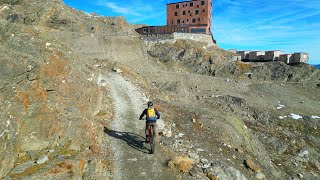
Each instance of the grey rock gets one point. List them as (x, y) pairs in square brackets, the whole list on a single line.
[(32, 154), (59, 157), (304, 154), (6, 178), (225, 174), (316, 164), (195, 171), (32, 77), (260, 175), (42, 159), (204, 161), (217, 163), (167, 141), (205, 166), (22, 167), (193, 155)]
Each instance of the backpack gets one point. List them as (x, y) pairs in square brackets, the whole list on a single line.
[(151, 114)]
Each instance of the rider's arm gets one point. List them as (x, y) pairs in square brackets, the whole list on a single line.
[(157, 113), (143, 113)]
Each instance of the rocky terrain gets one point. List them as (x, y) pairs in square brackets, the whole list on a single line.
[(73, 84)]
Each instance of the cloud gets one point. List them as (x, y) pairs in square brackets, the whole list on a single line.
[(120, 9)]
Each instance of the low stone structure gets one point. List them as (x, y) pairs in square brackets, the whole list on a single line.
[(236, 58), (297, 57), (244, 54), (273, 55), (300, 57), (185, 36), (285, 58), (256, 55)]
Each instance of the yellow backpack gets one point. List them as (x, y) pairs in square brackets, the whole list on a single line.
[(151, 114)]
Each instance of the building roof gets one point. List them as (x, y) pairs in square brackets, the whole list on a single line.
[(179, 2)]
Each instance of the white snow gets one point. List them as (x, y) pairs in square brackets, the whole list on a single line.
[(282, 117), (315, 117), (295, 116), (4, 8), (280, 106)]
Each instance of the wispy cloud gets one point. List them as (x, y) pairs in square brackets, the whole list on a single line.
[(122, 10)]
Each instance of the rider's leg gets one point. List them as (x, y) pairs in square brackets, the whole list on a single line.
[(155, 128)]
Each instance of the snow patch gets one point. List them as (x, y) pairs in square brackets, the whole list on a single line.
[(315, 117), (282, 117), (280, 106), (295, 116), (4, 8)]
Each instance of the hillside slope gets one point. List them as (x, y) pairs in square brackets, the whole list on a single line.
[(62, 103)]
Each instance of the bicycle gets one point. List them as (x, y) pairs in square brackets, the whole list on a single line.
[(151, 138)]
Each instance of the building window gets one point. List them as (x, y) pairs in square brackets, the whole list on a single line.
[(182, 22), (183, 12), (177, 6), (197, 11), (200, 30), (198, 19), (187, 4), (190, 14), (202, 2), (198, 6), (191, 4), (178, 21), (204, 10), (171, 22), (175, 13), (187, 20), (193, 20)]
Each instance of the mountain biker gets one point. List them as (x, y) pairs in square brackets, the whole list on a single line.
[(152, 115)]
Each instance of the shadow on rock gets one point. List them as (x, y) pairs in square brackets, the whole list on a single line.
[(134, 140)]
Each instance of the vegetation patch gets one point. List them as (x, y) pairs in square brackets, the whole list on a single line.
[(181, 164)]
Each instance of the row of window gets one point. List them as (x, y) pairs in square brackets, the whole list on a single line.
[(184, 12), (191, 4), (183, 21)]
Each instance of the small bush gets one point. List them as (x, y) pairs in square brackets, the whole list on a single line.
[(181, 164)]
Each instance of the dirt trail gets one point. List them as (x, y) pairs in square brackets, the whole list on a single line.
[(131, 155)]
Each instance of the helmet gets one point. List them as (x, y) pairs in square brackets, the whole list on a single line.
[(150, 104)]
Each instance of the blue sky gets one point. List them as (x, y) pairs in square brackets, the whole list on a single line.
[(288, 25)]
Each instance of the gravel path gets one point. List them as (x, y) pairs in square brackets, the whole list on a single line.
[(131, 155)]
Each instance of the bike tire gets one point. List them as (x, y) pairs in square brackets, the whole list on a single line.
[(153, 142)]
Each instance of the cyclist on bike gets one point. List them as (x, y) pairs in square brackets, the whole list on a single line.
[(152, 116)]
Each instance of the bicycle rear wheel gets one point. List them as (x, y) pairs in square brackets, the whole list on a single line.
[(153, 142)]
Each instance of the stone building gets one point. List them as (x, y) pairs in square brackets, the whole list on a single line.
[(273, 55), (286, 58), (244, 54), (300, 57), (297, 57), (187, 17), (257, 55)]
